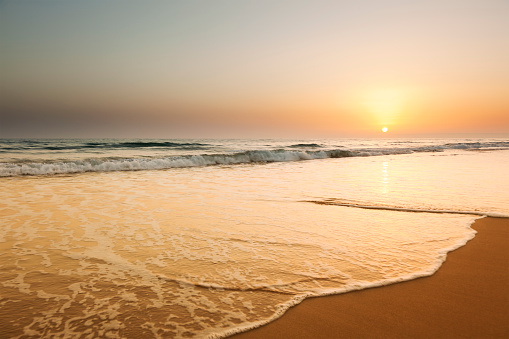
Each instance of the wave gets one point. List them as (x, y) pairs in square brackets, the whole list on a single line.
[(108, 164), (305, 146), (144, 144), (55, 146), (476, 145)]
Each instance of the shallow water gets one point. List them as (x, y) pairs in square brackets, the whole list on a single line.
[(208, 251)]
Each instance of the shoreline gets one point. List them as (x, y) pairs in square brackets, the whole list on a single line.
[(467, 297)]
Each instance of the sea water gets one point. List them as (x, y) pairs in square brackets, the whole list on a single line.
[(206, 238)]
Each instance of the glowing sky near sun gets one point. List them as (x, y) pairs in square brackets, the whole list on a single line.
[(260, 68)]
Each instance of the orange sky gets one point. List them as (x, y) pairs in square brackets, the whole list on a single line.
[(253, 68)]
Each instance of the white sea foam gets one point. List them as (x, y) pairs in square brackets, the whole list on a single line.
[(108, 165)]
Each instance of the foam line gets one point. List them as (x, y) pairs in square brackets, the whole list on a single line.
[(405, 209)]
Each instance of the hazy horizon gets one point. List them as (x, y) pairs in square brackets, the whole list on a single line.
[(264, 69)]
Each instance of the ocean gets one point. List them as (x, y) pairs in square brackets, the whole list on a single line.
[(125, 238)]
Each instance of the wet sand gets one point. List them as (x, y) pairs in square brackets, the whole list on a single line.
[(467, 298)]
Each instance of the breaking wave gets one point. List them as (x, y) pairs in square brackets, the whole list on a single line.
[(296, 152), (108, 164)]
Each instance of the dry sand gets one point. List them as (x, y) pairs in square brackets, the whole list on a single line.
[(467, 298)]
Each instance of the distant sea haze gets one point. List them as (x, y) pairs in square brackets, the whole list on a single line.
[(127, 238)]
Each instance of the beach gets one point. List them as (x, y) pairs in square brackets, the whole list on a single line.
[(209, 238), (468, 297), (257, 169)]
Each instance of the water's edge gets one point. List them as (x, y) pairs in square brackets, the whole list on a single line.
[(299, 298)]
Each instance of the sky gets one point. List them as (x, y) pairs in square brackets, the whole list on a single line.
[(167, 69)]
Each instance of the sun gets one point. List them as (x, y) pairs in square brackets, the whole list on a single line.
[(385, 129)]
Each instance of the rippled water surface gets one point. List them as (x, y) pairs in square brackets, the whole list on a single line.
[(208, 251)]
